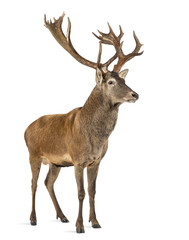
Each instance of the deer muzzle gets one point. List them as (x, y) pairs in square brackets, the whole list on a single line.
[(132, 98)]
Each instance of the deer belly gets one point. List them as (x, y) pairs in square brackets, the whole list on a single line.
[(62, 161)]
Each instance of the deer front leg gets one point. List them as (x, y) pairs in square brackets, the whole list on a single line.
[(92, 175), (81, 196)]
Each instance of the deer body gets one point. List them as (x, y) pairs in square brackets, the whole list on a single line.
[(80, 137)]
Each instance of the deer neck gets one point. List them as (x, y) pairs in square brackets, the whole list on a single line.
[(98, 115)]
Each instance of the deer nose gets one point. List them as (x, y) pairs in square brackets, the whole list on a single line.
[(135, 95)]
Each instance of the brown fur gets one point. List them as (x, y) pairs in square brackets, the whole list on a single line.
[(80, 137)]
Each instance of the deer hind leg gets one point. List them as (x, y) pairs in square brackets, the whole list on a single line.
[(92, 172), (81, 196), (49, 182), (35, 163)]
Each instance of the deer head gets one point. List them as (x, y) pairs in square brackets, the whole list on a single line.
[(111, 83)]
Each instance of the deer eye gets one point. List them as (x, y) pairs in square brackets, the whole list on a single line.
[(110, 82)]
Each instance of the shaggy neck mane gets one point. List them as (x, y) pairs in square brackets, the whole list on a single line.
[(99, 114)]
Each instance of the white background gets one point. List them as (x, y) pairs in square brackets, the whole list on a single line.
[(142, 187)]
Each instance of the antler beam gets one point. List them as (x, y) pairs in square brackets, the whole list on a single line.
[(65, 41)]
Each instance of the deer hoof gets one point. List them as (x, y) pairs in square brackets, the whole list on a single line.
[(96, 225), (64, 220), (33, 222), (80, 230)]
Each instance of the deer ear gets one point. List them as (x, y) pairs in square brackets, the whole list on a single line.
[(123, 73), (99, 77)]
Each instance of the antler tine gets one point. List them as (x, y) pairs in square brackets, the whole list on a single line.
[(103, 38), (65, 41), (125, 58), (99, 54), (58, 22), (68, 30), (121, 33), (111, 33), (138, 44)]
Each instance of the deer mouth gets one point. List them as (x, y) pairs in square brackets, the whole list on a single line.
[(131, 100)]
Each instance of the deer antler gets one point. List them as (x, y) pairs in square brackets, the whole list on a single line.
[(65, 41), (110, 38), (114, 40)]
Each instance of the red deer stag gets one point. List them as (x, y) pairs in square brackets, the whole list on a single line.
[(80, 137)]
